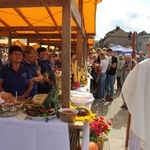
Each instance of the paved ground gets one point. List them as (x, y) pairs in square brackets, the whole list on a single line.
[(118, 116)]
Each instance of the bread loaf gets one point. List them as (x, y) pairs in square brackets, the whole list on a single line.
[(82, 112), (7, 97)]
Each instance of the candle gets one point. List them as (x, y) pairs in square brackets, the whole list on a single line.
[(16, 95)]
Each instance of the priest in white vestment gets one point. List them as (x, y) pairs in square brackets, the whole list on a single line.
[(136, 93)]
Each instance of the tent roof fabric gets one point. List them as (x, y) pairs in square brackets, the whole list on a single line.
[(36, 20)]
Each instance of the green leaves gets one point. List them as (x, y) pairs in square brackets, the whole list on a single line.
[(52, 98), (46, 117)]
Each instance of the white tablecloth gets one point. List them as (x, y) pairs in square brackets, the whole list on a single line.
[(136, 92), (33, 135), (86, 129)]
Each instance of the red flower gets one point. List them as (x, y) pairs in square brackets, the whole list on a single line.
[(109, 122), (105, 127), (98, 126)]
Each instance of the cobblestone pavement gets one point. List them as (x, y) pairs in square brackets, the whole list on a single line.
[(118, 116)]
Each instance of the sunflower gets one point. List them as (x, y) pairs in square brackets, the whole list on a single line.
[(84, 119)]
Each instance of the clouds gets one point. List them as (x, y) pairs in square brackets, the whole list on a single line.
[(129, 15)]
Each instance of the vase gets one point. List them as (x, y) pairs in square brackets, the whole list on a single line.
[(100, 143), (76, 85)]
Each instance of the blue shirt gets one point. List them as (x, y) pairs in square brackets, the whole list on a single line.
[(15, 81), (46, 67), (33, 70)]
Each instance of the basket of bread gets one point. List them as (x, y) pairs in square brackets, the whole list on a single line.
[(8, 106), (8, 109)]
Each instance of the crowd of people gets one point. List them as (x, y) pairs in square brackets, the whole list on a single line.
[(24, 72), (108, 67)]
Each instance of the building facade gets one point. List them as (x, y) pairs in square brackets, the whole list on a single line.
[(142, 42), (116, 37), (120, 37)]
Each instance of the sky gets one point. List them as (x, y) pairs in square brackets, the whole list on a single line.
[(129, 15)]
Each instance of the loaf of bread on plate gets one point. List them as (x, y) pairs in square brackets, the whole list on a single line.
[(7, 97)]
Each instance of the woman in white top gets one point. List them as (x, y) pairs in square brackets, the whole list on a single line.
[(101, 76)]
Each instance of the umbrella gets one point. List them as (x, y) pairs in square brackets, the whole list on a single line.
[(128, 50), (118, 48)]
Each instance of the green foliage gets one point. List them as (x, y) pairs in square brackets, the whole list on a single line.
[(52, 99), (52, 77)]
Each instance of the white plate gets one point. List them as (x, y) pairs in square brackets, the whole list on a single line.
[(8, 113), (77, 103), (41, 118), (86, 94)]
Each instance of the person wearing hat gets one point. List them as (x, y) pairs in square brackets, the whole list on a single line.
[(15, 78), (45, 67)]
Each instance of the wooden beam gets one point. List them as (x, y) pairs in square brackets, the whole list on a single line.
[(39, 36), (52, 41), (30, 3), (49, 41), (24, 18), (5, 24), (79, 48), (34, 28), (85, 52), (48, 35), (52, 17), (77, 17), (66, 54), (75, 13)]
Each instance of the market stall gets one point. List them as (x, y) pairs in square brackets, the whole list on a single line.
[(62, 23), (25, 126)]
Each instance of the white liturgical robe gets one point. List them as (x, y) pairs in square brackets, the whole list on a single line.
[(136, 93)]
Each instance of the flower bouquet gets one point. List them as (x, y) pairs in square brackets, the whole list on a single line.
[(99, 129), (77, 73)]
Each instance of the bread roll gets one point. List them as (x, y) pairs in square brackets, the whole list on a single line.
[(7, 97), (83, 112)]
